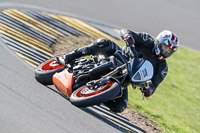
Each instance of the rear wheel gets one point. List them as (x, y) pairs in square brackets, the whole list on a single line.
[(85, 96), (45, 71)]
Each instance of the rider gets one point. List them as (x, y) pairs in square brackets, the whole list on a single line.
[(154, 50)]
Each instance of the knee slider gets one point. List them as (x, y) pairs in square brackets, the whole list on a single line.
[(118, 109), (102, 42), (83, 51)]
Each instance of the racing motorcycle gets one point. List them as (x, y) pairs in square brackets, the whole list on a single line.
[(95, 80)]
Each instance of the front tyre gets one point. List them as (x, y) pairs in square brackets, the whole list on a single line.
[(45, 71), (84, 97)]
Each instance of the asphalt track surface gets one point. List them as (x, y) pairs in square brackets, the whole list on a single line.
[(152, 16), (26, 106)]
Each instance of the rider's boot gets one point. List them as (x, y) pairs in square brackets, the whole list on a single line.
[(77, 53)]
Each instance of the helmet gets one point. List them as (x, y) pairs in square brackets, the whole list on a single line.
[(166, 44)]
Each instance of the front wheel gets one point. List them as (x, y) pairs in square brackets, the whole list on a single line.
[(45, 71), (84, 96)]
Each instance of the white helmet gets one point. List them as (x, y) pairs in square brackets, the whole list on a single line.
[(166, 44)]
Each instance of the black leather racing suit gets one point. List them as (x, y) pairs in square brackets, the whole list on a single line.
[(144, 44)]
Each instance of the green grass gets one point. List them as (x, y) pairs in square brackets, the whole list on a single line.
[(176, 103)]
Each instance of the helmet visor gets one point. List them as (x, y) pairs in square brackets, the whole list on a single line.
[(165, 50)]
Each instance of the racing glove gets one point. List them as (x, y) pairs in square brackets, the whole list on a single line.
[(147, 91), (130, 41)]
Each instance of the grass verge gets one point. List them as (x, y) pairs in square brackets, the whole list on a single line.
[(176, 102)]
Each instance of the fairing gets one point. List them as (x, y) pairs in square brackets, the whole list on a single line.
[(141, 70)]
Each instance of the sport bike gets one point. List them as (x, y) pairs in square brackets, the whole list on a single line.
[(95, 80)]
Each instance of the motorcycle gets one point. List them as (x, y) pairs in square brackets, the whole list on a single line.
[(96, 80)]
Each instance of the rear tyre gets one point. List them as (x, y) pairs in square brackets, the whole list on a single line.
[(45, 71), (84, 97)]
